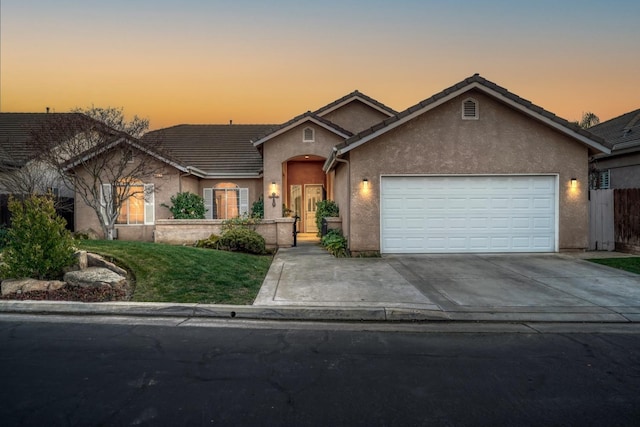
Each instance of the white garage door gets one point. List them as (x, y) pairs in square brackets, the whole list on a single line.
[(457, 214)]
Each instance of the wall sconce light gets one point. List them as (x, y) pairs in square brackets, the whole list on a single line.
[(365, 182), (574, 182), (273, 195)]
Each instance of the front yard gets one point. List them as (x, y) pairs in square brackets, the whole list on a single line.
[(165, 273), (628, 264)]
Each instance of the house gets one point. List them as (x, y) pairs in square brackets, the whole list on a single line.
[(20, 170), (620, 168), (474, 168)]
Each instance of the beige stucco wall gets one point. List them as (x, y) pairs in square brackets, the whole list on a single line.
[(355, 116), (502, 141), (253, 184), (166, 184), (341, 193), (284, 147)]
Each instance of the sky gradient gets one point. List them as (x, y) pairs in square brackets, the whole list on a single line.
[(250, 61)]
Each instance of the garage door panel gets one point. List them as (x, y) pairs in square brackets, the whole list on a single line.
[(468, 214)]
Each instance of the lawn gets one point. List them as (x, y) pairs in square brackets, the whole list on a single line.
[(628, 264), (165, 273)]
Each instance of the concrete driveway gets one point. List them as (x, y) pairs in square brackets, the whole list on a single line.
[(512, 287)]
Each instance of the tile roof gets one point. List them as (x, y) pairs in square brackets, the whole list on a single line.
[(620, 133), (216, 150), (298, 120), (477, 81), (317, 115), (354, 95), (15, 135)]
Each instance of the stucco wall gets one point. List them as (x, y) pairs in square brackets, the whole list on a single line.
[(502, 141), (355, 116), (166, 184), (254, 186), (624, 171), (284, 147)]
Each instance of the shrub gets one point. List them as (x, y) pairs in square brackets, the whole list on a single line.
[(39, 246), (240, 222), (325, 208), (4, 236), (335, 242), (210, 242), (187, 206), (257, 209), (242, 240)]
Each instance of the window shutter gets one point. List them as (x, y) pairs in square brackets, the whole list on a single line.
[(244, 201), (149, 204), (106, 200), (208, 203)]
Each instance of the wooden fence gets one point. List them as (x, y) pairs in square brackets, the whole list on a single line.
[(627, 219)]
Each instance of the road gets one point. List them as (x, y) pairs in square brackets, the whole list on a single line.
[(82, 371)]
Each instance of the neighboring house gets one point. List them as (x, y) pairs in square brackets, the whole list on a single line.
[(20, 171), (474, 168), (620, 168)]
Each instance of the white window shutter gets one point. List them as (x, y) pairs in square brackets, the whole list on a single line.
[(208, 203), (106, 200), (244, 201), (149, 204)]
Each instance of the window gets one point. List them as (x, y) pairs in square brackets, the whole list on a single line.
[(137, 208), (308, 135), (470, 109), (226, 200)]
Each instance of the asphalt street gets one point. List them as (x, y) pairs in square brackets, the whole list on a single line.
[(72, 371)]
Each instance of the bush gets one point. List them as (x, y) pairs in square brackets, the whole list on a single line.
[(209, 243), (187, 206), (39, 246), (4, 236), (257, 209), (242, 240), (325, 208), (335, 242), (240, 222)]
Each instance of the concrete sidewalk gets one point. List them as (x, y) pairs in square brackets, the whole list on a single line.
[(307, 283)]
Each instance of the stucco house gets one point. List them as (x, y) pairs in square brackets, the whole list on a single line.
[(474, 168), (621, 167)]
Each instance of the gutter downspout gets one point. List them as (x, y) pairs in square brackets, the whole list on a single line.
[(346, 162)]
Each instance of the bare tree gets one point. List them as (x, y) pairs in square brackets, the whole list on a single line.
[(100, 160)]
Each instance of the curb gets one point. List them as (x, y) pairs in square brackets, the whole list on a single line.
[(302, 313)]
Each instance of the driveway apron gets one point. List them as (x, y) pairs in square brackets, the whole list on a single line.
[(465, 286)]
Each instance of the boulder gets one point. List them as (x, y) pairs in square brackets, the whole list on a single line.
[(11, 286), (96, 277), (94, 260)]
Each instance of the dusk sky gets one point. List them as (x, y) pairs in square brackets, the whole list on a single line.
[(209, 61)]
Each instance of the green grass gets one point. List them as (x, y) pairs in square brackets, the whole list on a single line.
[(165, 273), (628, 264)]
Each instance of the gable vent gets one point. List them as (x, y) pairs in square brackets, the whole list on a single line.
[(308, 135), (470, 109)]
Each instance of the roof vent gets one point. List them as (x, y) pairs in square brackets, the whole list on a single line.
[(470, 109)]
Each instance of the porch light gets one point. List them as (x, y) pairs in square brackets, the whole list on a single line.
[(365, 182), (574, 182), (274, 194)]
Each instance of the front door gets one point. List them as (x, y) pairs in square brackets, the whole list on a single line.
[(312, 195)]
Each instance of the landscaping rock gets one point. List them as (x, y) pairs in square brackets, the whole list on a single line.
[(94, 260), (93, 277), (11, 286)]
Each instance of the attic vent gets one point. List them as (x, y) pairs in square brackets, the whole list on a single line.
[(308, 135), (470, 109)]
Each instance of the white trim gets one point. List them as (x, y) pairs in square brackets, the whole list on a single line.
[(488, 91)]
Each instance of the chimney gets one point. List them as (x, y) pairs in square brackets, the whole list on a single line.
[(47, 110)]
